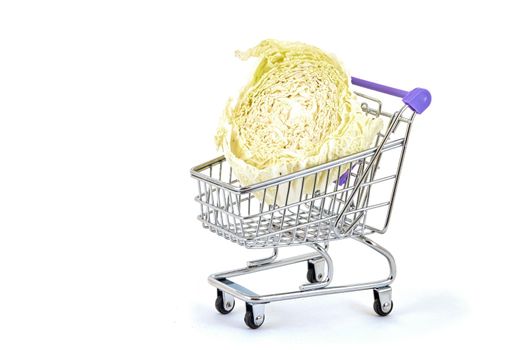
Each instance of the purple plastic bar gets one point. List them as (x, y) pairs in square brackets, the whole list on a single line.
[(378, 87), (418, 99)]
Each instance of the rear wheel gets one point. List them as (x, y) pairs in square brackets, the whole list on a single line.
[(314, 275), (384, 307)]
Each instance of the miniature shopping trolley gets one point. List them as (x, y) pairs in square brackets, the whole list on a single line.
[(351, 197)]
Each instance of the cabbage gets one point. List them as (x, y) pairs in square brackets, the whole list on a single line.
[(296, 112)]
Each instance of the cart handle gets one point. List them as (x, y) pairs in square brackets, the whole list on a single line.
[(418, 99)]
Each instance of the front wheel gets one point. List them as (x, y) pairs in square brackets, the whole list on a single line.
[(254, 319), (224, 303)]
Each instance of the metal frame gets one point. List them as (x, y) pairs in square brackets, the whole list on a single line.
[(256, 218), (222, 280)]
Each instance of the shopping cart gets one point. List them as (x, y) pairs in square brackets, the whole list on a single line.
[(354, 205)]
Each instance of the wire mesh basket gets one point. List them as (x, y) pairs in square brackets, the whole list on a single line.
[(245, 215)]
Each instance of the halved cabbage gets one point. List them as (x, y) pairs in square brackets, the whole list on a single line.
[(296, 112)]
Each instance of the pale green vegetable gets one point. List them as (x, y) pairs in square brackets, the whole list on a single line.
[(296, 112)]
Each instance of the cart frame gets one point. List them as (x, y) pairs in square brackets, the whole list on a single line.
[(313, 221)]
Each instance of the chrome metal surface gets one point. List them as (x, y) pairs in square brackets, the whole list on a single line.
[(222, 280), (227, 301), (319, 268), (246, 215), (393, 125), (263, 261), (258, 313), (333, 210), (385, 298), (389, 257), (329, 266)]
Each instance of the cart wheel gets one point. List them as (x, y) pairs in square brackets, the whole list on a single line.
[(379, 310), (314, 275), (224, 302), (253, 319), (310, 274), (385, 308)]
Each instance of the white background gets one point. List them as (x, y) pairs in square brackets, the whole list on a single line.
[(105, 106)]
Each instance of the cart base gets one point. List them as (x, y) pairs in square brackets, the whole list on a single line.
[(227, 290)]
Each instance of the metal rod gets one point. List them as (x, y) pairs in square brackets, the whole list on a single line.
[(263, 261), (196, 171), (362, 177)]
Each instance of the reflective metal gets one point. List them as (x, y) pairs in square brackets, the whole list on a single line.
[(335, 210)]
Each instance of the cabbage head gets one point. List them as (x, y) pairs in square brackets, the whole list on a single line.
[(296, 112)]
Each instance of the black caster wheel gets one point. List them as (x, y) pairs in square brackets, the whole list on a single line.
[(379, 310), (251, 319), (312, 275), (224, 304), (382, 310)]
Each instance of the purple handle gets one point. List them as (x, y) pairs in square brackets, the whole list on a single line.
[(418, 99)]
